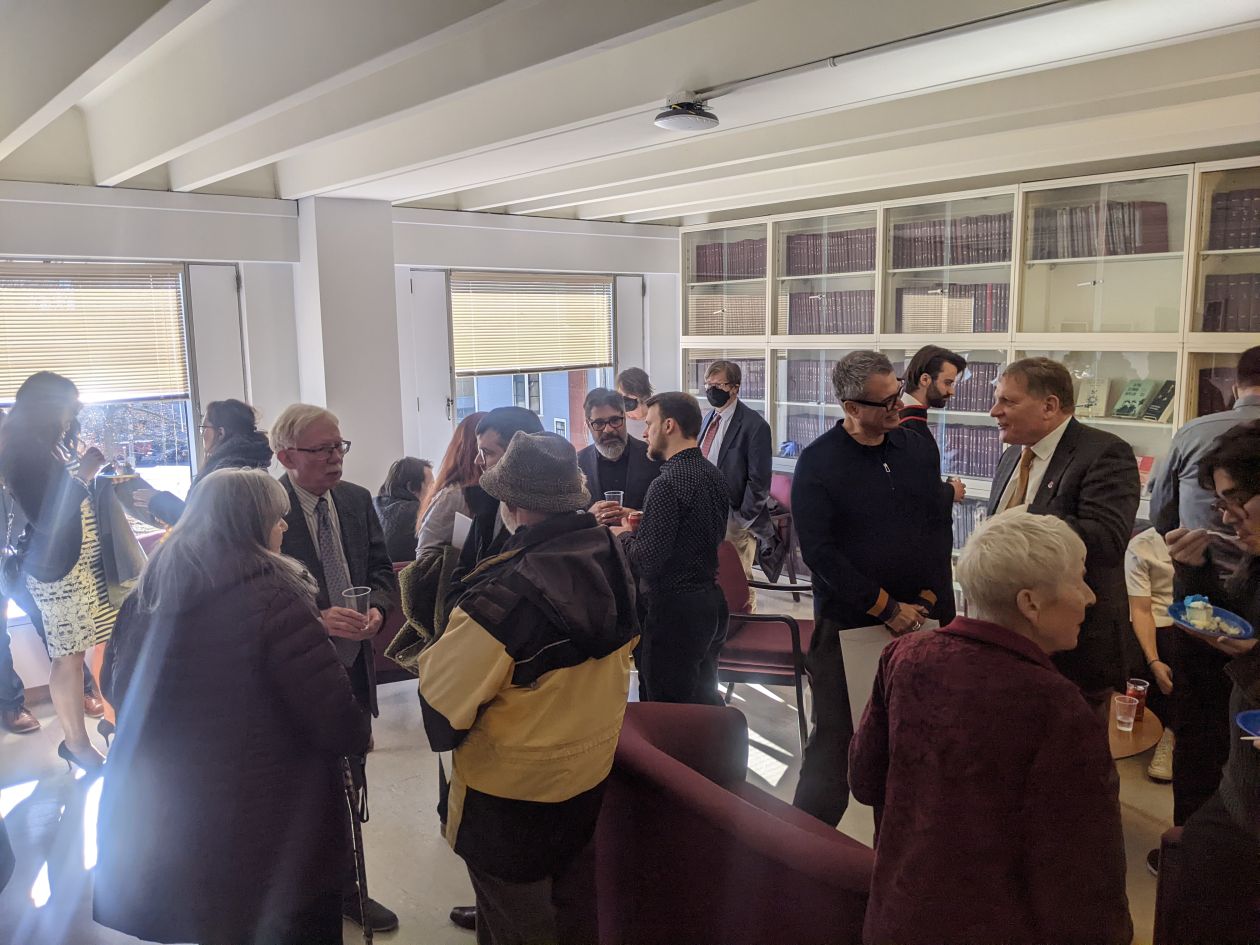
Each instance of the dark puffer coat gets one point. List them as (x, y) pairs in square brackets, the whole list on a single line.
[(223, 809)]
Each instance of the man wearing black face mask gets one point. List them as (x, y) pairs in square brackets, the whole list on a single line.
[(615, 461), (736, 439)]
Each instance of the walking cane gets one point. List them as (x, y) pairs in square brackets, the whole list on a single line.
[(356, 842)]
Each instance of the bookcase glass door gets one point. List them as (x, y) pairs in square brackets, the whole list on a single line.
[(825, 270), (1227, 290), (805, 402), (1104, 257), (948, 267), (1211, 380), (964, 431), (725, 277), (1128, 393), (752, 368)]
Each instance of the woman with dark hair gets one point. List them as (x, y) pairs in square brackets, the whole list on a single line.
[(223, 820), (458, 471), (1220, 845), (62, 561), (398, 504), (635, 388), (230, 439)]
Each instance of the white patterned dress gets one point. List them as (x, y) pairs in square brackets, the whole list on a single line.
[(76, 609)]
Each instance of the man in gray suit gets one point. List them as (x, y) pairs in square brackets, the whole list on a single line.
[(332, 528), (1058, 466)]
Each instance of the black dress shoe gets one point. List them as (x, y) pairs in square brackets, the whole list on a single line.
[(465, 917), (380, 918)]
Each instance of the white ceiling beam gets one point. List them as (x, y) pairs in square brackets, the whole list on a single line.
[(53, 52), (1200, 125), (815, 138), (246, 62), (507, 39), (632, 78)]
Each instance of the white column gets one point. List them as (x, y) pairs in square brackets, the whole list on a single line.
[(347, 327)]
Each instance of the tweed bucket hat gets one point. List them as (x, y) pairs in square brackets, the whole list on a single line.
[(539, 472)]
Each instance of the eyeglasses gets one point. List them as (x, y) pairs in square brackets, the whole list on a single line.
[(632, 403), (599, 426), (887, 404), (342, 447), (1235, 505), (724, 386)]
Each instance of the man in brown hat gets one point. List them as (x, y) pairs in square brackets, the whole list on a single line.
[(528, 687)]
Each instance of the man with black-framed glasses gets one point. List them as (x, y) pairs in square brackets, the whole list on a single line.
[(334, 531), (870, 514), (615, 461)]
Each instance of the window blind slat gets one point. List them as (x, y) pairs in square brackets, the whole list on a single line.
[(116, 330), (512, 323)]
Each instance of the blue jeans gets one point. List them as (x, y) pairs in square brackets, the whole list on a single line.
[(12, 698)]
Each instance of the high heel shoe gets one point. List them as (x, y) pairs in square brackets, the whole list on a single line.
[(106, 729), (94, 762)]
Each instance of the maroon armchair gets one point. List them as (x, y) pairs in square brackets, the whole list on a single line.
[(760, 648), (688, 852)]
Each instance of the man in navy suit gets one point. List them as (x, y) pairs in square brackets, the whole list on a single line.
[(736, 439), (1088, 477)]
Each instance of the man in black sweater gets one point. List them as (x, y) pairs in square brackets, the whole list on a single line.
[(870, 513), (674, 550)]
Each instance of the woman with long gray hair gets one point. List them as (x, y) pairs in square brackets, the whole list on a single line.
[(224, 808)]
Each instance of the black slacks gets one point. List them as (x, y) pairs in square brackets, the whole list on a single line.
[(556, 910), (1220, 881), (679, 649), (823, 788), (1200, 700)]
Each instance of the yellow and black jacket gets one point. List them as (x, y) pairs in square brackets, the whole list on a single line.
[(528, 686)]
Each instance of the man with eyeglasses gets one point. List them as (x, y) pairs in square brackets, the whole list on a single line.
[(736, 439), (615, 461), (870, 514), (333, 529)]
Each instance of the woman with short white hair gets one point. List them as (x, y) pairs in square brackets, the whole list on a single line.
[(998, 815)]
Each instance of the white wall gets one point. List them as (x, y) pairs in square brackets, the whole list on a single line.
[(271, 354)]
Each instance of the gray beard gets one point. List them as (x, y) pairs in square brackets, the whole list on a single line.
[(611, 451)]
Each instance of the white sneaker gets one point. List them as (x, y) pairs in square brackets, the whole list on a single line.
[(1161, 766)]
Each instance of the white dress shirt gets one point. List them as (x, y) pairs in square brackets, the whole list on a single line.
[(308, 501), (725, 412), (1043, 450)]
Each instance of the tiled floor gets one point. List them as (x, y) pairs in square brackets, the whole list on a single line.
[(409, 865)]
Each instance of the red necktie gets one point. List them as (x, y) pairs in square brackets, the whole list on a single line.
[(710, 435)]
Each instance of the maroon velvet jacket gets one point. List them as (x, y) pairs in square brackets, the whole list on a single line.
[(1000, 802)]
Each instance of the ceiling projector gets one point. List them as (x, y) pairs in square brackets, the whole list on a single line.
[(684, 112)]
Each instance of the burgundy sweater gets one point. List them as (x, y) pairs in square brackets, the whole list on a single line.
[(998, 799)]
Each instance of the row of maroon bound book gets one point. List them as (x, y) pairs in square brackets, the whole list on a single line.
[(809, 382), (1124, 228), (1232, 302), (970, 450), (1235, 221), (967, 515), (932, 308), (974, 391), (850, 312), (752, 383), (840, 251), (742, 259), (804, 428), (962, 241)]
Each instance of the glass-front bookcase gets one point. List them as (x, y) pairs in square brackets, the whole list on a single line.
[(724, 273), (826, 275)]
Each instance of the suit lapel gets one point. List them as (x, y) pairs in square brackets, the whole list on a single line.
[(349, 521), (1006, 468), (1059, 463), (298, 541)]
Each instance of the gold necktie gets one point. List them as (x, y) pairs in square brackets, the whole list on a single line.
[(1020, 495)]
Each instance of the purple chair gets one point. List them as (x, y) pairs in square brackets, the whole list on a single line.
[(688, 852)]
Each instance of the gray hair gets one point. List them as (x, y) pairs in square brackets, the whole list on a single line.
[(290, 425), (1012, 552), (222, 536), (854, 371)]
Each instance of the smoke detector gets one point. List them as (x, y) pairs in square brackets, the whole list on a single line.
[(685, 112)]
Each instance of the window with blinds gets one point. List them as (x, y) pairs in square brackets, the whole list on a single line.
[(116, 330), (509, 323)]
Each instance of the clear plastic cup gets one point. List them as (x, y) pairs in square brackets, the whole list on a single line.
[(1126, 710), (615, 496), (356, 598)]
